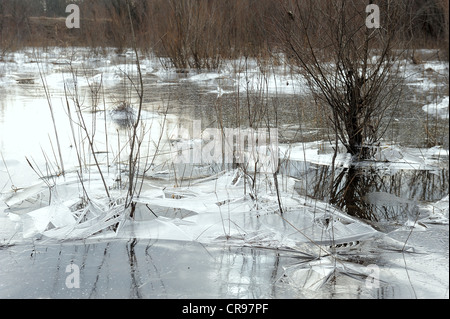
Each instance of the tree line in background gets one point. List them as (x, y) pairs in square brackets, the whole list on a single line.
[(192, 33)]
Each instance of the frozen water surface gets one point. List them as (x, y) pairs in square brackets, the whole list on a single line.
[(179, 269), (200, 231)]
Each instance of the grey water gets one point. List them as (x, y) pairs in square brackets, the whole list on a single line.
[(186, 270), (171, 269)]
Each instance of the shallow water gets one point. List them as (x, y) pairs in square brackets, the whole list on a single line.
[(386, 199), (144, 269), (170, 269), (382, 197)]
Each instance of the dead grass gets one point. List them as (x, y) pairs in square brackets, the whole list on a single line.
[(191, 33)]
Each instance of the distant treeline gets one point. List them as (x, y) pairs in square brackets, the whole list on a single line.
[(193, 33)]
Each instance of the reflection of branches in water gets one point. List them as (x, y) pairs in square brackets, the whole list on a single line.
[(351, 187), (241, 271), (350, 195), (58, 266), (224, 260), (274, 276), (407, 274), (149, 260), (135, 291), (99, 270)]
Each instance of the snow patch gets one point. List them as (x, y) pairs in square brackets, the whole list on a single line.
[(439, 110)]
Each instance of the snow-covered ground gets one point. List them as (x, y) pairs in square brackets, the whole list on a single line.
[(324, 251), (438, 109)]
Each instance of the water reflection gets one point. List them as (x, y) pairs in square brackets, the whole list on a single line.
[(135, 285), (170, 269), (373, 194), (95, 291), (143, 269), (157, 269)]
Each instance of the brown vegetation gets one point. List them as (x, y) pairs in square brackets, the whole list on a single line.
[(191, 33), (351, 68)]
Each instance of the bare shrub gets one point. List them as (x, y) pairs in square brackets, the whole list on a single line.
[(351, 68)]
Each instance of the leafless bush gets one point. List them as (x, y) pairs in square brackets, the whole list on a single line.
[(351, 68)]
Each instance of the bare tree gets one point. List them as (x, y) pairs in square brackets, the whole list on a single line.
[(350, 67)]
